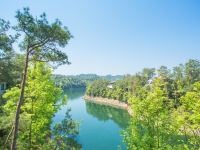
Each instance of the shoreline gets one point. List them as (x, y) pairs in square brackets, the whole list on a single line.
[(109, 102)]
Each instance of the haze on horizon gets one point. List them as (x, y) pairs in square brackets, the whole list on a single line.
[(121, 37)]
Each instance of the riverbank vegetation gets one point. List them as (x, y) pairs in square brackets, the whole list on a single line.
[(165, 104)]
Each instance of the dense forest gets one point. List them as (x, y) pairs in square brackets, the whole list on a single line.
[(31, 99), (165, 104)]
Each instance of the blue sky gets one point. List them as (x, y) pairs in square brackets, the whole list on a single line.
[(120, 37)]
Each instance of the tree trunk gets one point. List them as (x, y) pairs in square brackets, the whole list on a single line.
[(4, 146), (30, 131), (17, 115)]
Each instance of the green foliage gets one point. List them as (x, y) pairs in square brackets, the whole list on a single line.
[(11, 68), (166, 116), (41, 40), (80, 81), (66, 82), (98, 88), (10, 63), (121, 89), (150, 127), (41, 101), (165, 106), (6, 41), (188, 117), (93, 77), (192, 71)]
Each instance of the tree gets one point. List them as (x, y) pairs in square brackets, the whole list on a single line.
[(40, 102), (150, 128), (187, 117), (11, 68), (170, 119), (148, 73), (163, 72), (178, 83), (6, 52), (41, 41), (192, 71), (98, 88), (5, 40)]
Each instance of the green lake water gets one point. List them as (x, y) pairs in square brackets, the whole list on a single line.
[(100, 126)]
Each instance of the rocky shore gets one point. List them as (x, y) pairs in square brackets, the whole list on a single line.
[(109, 102)]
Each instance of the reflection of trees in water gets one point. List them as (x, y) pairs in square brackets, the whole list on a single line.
[(102, 112), (74, 93)]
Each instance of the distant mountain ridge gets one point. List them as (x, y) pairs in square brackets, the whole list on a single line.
[(81, 80), (92, 77)]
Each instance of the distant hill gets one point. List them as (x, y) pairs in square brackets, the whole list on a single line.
[(81, 80), (112, 77)]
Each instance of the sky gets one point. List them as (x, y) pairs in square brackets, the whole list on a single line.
[(120, 36)]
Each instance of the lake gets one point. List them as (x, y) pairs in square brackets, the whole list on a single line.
[(100, 125)]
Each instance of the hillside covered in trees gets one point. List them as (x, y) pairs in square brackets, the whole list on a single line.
[(82, 80)]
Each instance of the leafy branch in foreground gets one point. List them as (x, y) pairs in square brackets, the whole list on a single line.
[(41, 100), (64, 134)]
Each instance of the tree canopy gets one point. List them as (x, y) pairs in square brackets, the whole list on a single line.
[(164, 104)]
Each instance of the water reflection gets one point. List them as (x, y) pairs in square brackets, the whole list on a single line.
[(74, 93), (104, 113), (100, 125)]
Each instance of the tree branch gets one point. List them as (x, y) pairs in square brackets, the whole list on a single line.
[(8, 137)]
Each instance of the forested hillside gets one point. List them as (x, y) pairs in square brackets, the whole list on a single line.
[(82, 80)]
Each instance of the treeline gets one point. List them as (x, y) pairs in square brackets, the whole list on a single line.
[(68, 82), (165, 106), (31, 99), (182, 75), (106, 89), (81, 81)]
